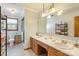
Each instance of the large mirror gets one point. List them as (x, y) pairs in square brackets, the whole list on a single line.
[(12, 24)]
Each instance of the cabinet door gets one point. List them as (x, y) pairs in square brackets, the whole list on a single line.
[(34, 46), (51, 52), (32, 43), (76, 26)]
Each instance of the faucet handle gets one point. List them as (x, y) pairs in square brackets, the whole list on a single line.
[(63, 41), (76, 45)]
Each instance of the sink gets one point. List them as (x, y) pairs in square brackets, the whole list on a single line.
[(64, 46)]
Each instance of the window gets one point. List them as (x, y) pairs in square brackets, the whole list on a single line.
[(12, 24)]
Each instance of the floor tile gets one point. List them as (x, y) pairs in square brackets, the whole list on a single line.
[(18, 50)]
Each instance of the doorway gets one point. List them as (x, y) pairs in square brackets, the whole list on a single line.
[(76, 26)]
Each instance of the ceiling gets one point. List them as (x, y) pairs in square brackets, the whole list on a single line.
[(35, 7), (5, 9)]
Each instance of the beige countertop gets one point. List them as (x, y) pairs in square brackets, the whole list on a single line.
[(73, 51)]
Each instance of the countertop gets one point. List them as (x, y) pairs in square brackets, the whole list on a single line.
[(72, 52)]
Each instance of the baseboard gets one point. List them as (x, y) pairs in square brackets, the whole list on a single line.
[(27, 48)]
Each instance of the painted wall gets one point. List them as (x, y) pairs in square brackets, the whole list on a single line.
[(30, 26), (41, 24), (65, 17)]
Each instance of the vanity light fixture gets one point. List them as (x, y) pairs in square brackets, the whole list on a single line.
[(52, 8), (60, 12), (43, 13)]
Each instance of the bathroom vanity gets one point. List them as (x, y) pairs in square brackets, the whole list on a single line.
[(47, 47), (38, 47)]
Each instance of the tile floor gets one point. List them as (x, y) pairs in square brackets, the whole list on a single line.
[(18, 50)]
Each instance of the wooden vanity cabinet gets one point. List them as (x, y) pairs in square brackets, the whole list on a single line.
[(33, 45), (38, 46), (54, 52)]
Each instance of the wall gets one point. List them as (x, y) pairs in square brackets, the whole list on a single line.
[(41, 24), (30, 26), (66, 17)]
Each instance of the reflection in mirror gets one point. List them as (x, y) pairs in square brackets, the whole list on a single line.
[(41, 25)]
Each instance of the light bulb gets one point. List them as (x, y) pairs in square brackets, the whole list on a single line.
[(60, 12), (49, 16), (53, 10), (43, 14)]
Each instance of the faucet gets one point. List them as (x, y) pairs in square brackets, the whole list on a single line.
[(76, 45)]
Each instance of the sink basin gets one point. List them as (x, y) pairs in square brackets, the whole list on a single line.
[(63, 46)]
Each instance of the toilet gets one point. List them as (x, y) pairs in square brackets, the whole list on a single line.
[(11, 41)]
